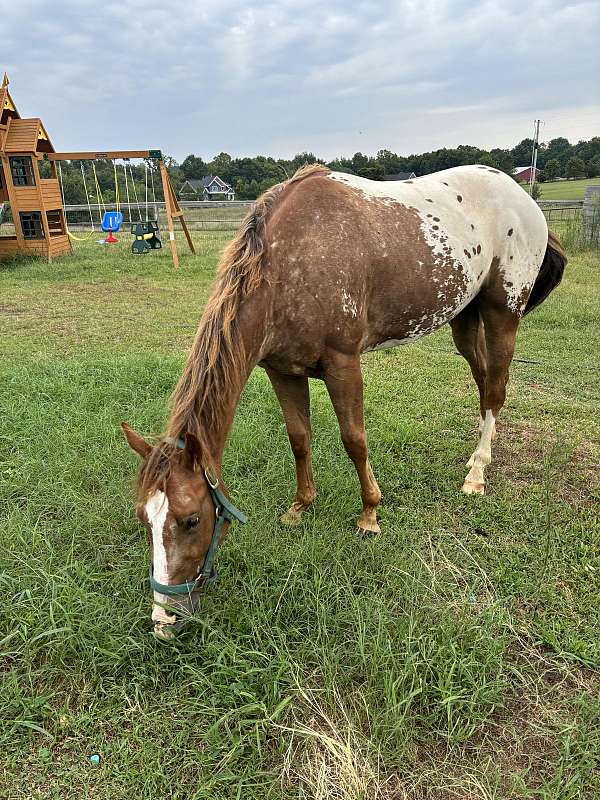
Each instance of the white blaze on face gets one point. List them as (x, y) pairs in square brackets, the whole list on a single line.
[(157, 508)]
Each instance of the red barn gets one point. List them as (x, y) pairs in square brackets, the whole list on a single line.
[(523, 174)]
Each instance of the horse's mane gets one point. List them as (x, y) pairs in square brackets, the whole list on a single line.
[(215, 365)]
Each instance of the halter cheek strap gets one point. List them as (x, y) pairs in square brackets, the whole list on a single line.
[(225, 511)]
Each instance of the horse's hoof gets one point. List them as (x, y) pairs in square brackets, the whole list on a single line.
[(363, 533), (291, 518), (470, 487)]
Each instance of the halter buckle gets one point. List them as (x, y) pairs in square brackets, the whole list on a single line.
[(210, 476)]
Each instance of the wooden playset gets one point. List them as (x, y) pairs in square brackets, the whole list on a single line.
[(40, 226)]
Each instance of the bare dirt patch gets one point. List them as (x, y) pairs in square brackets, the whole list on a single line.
[(522, 452)]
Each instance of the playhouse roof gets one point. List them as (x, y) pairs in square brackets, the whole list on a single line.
[(27, 136), (6, 101)]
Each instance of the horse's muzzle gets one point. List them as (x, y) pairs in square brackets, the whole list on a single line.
[(170, 614)]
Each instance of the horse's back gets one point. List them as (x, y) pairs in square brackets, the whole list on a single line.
[(388, 262)]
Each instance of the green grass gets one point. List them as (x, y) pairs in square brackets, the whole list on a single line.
[(567, 190), (456, 656)]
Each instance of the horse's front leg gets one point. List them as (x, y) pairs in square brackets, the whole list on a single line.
[(294, 398), (343, 378)]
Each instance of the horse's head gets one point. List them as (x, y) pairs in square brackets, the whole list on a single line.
[(186, 515)]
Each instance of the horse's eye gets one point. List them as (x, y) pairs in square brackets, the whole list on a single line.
[(191, 522)]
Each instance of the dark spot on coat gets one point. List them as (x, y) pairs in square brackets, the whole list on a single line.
[(495, 170), (511, 258), (429, 216), (510, 231), (436, 219), (459, 198), (478, 249), (429, 200), (444, 182), (472, 227), (474, 251), (435, 227), (468, 255), (407, 181), (479, 167)]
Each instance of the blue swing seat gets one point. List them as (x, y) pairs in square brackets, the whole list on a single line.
[(112, 221)]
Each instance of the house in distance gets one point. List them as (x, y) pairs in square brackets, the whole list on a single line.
[(211, 187), (399, 176)]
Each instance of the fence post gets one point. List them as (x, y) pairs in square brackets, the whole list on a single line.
[(591, 215)]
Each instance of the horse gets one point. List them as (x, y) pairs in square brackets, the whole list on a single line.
[(327, 266)]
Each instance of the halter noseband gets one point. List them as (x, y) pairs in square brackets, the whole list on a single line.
[(225, 511)]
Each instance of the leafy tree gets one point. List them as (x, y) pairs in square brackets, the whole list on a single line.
[(521, 153), (559, 149), (390, 162), (193, 167), (575, 167), (341, 165), (593, 167), (373, 171), (303, 158), (504, 160), (552, 169), (359, 162)]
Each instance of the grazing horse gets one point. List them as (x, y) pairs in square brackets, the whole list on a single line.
[(327, 266)]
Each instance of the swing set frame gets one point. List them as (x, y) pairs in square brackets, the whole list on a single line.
[(36, 203), (172, 207)]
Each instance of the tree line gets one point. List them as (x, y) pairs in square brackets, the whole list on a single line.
[(249, 177)]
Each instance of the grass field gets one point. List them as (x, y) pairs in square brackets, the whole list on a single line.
[(567, 190), (456, 656)]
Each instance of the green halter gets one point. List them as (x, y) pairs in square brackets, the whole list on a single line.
[(225, 511)]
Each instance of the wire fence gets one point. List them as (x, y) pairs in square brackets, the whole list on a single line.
[(211, 222), (215, 222), (577, 226)]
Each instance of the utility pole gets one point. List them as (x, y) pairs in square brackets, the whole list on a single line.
[(534, 153)]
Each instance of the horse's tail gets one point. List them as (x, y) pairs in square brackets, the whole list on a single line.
[(550, 274)]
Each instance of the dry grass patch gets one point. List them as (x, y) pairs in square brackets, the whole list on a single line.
[(514, 754)]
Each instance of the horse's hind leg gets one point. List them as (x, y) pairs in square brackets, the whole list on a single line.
[(294, 398), (343, 378), (469, 338), (500, 328)]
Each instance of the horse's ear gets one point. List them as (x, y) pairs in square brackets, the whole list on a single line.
[(192, 452), (135, 441)]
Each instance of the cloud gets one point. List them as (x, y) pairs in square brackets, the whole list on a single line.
[(277, 77)]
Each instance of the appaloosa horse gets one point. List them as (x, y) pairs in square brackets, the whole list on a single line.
[(325, 267)]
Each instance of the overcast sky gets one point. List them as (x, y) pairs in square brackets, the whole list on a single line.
[(280, 77)]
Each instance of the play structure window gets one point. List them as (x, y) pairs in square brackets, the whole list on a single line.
[(31, 224), (55, 222), (6, 224), (21, 168)]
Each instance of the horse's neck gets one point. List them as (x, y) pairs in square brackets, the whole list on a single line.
[(217, 431), (251, 329)]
